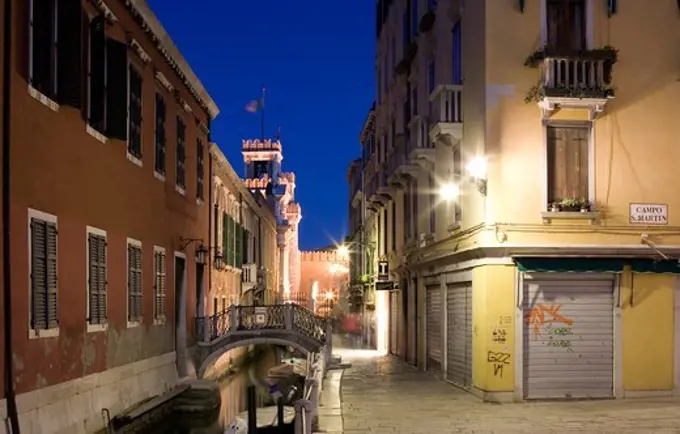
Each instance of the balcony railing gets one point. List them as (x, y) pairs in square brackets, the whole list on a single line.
[(574, 77), (420, 138), (249, 275), (446, 104)]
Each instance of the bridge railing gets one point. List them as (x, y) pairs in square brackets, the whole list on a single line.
[(258, 318)]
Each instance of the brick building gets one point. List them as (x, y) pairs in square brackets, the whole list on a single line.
[(109, 175), (324, 281)]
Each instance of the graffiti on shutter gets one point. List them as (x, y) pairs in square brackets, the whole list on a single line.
[(38, 275)]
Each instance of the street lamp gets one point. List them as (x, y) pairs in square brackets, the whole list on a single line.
[(476, 168)]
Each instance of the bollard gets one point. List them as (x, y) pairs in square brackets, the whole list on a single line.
[(303, 417)]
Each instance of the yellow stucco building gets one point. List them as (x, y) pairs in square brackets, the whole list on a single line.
[(523, 186)]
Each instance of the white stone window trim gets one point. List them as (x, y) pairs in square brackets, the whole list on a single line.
[(91, 328), (43, 99), (50, 218), (134, 243)]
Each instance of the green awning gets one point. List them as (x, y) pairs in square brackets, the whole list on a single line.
[(573, 265), (655, 266)]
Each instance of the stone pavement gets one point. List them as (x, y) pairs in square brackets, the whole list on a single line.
[(381, 394)]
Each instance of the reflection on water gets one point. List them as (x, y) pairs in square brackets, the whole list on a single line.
[(186, 424)]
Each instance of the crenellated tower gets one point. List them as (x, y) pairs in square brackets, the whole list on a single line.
[(263, 175)]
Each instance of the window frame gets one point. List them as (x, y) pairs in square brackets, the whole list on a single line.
[(95, 327), (34, 333), (160, 317), (590, 125), (180, 166), (132, 66), (160, 175), (138, 320), (91, 129), (200, 170), (54, 53)]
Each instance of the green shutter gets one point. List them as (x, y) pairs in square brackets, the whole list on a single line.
[(244, 241), (230, 241), (239, 245), (225, 226)]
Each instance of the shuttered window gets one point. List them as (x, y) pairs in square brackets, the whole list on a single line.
[(199, 169), (246, 246), (566, 24), (97, 279), (159, 164), (135, 114), (567, 163), (116, 89), (225, 235), (159, 285), (97, 74), (238, 245), (229, 240), (134, 255), (181, 154), (44, 294), (70, 52), (43, 46)]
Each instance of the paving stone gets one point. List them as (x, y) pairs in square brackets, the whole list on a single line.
[(383, 395)]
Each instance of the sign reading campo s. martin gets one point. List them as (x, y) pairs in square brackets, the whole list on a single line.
[(648, 214)]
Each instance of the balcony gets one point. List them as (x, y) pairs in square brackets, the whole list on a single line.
[(573, 81), (421, 150), (446, 113), (383, 192), (248, 277), (399, 168)]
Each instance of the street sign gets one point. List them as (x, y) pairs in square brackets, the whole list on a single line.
[(383, 270), (384, 286)]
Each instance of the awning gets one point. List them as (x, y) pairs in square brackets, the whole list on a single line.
[(655, 266), (570, 265)]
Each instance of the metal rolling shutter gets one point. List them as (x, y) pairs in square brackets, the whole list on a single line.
[(459, 334), (433, 328), (393, 322), (568, 337)]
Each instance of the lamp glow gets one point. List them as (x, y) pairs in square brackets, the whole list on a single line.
[(343, 251), (449, 191), (477, 168), (329, 295)]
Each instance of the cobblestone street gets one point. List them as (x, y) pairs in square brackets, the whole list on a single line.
[(384, 395)]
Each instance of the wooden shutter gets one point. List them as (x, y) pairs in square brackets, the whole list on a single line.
[(42, 28), (52, 295), (102, 280), (38, 275), (237, 245), (230, 240), (97, 86), (160, 285), (181, 153), (567, 163), (97, 282), (116, 89), (69, 52), (135, 114), (225, 234), (134, 283)]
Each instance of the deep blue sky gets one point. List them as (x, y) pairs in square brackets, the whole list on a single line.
[(316, 60)]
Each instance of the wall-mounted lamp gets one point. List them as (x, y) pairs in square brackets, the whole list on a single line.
[(449, 191), (202, 254), (202, 251), (477, 169)]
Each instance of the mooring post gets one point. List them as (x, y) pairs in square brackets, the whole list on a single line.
[(252, 410)]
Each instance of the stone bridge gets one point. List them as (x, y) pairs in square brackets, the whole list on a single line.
[(281, 324)]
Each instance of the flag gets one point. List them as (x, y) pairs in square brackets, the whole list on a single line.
[(254, 106)]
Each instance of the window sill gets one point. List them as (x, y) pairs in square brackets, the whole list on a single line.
[(96, 134), (43, 333), (159, 322), (180, 190), (135, 160), (43, 99), (133, 324), (159, 176), (94, 328), (590, 216)]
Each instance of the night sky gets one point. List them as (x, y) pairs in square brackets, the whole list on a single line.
[(316, 59)]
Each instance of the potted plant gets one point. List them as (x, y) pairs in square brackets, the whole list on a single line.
[(585, 205), (554, 207), (570, 205)]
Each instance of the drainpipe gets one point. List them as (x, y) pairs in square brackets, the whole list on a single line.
[(6, 251), (211, 240)]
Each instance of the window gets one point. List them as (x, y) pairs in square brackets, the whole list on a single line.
[(407, 212), (159, 289), (260, 169), (107, 82), (238, 244), (44, 313), (135, 114), (394, 225), (134, 270), (414, 100), (228, 230), (566, 24), (96, 278), (414, 203), (199, 169), (457, 57), (568, 163), (430, 76), (159, 164), (433, 203), (181, 154), (43, 45)]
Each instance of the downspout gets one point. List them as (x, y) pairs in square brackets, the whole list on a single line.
[(6, 249), (211, 241)]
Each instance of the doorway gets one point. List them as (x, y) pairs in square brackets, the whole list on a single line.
[(180, 314)]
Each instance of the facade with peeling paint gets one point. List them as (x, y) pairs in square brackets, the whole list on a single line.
[(109, 203)]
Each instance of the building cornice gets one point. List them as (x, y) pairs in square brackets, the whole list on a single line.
[(154, 29)]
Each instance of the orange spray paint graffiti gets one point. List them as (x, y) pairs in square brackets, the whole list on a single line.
[(545, 315)]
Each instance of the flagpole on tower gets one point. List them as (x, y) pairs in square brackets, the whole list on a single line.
[(262, 114)]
